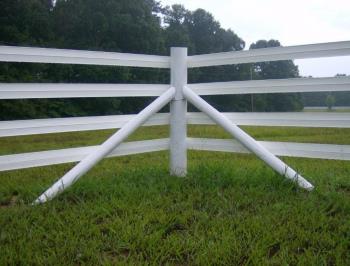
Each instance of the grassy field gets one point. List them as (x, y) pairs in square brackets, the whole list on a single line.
[(230, 210)]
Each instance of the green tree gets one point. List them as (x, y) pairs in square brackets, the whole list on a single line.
[(134, 26), (201, 33), (342, 98), (276, 70), (110, 25), (330, 101), (176, 32)]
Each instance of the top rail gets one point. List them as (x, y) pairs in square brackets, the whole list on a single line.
[(65, 56), (271, 54)]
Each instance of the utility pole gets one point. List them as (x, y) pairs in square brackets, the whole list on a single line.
[(251, 95)]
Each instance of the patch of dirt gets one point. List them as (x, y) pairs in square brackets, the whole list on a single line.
[(9, 203), (343, 188), (115, 255), (173, 228), (273, 250)]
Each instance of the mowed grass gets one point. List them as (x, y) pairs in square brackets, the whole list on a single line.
[(231, 209)]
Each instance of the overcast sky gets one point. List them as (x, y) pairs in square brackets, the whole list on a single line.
[(292, 22)]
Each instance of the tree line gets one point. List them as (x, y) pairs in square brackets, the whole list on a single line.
[(133, 26), (329, 99)]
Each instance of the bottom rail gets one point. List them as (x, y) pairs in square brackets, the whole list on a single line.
[(42, 158), (289, 149), (292, 149)]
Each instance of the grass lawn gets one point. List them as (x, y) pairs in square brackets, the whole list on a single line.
[(231, 209)]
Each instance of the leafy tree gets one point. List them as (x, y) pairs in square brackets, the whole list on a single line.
[(341, 98), (25, 22), (330, 101), (110, 25), (134, 26), (276, 70), (176, 32), (201, 33)]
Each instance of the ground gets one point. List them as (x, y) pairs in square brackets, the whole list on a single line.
[(231, 209)]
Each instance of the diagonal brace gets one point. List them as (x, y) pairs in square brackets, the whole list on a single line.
[(247, 141), (108, 146)]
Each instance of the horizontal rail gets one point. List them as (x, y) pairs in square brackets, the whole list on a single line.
[(42, 158), (65, 56), (77, 90), (58, 125), (272, 86), (81, 90), (291, 149), (287, 119), (71, 124), (271, 54)]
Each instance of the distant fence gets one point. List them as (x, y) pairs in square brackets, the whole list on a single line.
[(62, 56)]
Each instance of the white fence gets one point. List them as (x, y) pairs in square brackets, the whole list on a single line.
[(43, 126)]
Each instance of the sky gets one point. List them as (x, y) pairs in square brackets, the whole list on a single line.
[(293, 22)]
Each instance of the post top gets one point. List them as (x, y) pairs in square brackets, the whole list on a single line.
[(178, 51), (178, 48)]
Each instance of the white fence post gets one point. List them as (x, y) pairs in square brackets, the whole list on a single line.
[(178, 110)]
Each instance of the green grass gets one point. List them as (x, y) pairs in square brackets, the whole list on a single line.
[(231, 209)]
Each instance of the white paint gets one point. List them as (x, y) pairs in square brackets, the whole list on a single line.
[(44, 90), (271, 54), (291, 149), (178, 109), (65, 56), (71, 124), (300, 119), (77, 90), (58, 125), (52, 157), (272, 86)]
